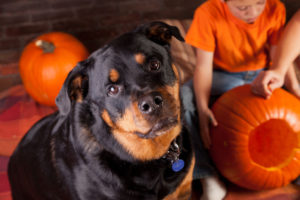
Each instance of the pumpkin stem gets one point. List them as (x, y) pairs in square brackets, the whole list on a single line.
[(47, 47)]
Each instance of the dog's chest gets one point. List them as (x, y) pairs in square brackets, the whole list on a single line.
[(111, 178)]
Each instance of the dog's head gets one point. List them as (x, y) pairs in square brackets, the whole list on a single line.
[(133, 88)]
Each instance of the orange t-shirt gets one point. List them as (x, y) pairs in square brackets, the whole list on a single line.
[(237, 46)]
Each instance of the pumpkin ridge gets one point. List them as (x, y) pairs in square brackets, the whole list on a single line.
[(245, 104), (230, 129), (229, 108), (238, 105)]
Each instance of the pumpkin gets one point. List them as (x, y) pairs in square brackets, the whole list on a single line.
[(46, 62), (256, 144)]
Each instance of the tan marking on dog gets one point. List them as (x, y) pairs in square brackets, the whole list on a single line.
[(171, 96), (131, 121), (140, 148), (105, 116), (176, 72), (114, 75), (146, 149), (184, 190), (76, 88), (76, 92), (160, 32), (140, 58), (174, 92)]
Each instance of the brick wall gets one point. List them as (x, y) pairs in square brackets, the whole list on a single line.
[(94, 22)]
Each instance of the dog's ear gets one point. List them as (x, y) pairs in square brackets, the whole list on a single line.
[(74, 89), (160, 32)]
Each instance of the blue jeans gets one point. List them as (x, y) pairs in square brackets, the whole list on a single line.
[(222, 82)]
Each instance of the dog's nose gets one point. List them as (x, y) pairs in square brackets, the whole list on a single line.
[(151, 103)]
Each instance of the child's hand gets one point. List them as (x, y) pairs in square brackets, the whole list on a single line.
[(266, 82), (206, 117)]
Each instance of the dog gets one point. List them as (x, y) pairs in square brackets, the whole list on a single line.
[(118, 133)]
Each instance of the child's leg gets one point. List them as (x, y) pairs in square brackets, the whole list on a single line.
[(203, 160), (224, 81), (204, 169)]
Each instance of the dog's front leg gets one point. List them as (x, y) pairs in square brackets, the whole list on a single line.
[(184, 190)]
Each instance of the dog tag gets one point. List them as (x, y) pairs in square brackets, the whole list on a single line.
[(178, 165)]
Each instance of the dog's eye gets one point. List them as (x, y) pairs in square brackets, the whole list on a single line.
[(154, 65), (113, 90)]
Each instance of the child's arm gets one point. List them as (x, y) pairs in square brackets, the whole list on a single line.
[(291, 81), (287, 51), (202, 86)]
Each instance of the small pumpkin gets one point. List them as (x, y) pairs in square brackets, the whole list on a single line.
[(46, 62), (256, 144)]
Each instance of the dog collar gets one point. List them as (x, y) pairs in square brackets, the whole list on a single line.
[(172, 156)]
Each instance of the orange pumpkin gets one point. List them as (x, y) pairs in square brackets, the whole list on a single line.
[(256, 144), (46, 62)]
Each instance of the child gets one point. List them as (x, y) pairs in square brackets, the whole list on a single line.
[(287, 52), (234, 40)]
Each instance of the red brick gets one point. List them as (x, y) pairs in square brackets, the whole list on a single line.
[(15, 19), (172, 3), (124, 19), (6, 44), (74, 24), (7, 69), (1, 32), (26, 30), (52, 15), (9, 56), (95, 34), (58, 4), (24, 6), (9, 81), (5, 2), (140, 6), (98, 10)]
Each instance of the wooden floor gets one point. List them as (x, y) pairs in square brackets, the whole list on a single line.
[(290, 192)]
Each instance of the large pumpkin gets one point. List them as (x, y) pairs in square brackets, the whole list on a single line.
[(46, 62), (256, 144)]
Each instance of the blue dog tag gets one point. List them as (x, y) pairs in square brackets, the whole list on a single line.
[(178, 165)]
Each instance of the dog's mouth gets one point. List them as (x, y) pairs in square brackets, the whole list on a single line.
[(159, 128)]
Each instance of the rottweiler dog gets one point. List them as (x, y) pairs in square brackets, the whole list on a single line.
[(118, 133)]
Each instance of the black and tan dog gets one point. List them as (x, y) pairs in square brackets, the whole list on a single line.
[(118, 133)]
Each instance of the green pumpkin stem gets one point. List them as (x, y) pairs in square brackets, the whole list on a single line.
[(47, 47)]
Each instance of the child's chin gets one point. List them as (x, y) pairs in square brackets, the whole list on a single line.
[(250, 21)]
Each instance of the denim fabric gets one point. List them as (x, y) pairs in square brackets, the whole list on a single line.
[(222, 82), (204, 166)]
